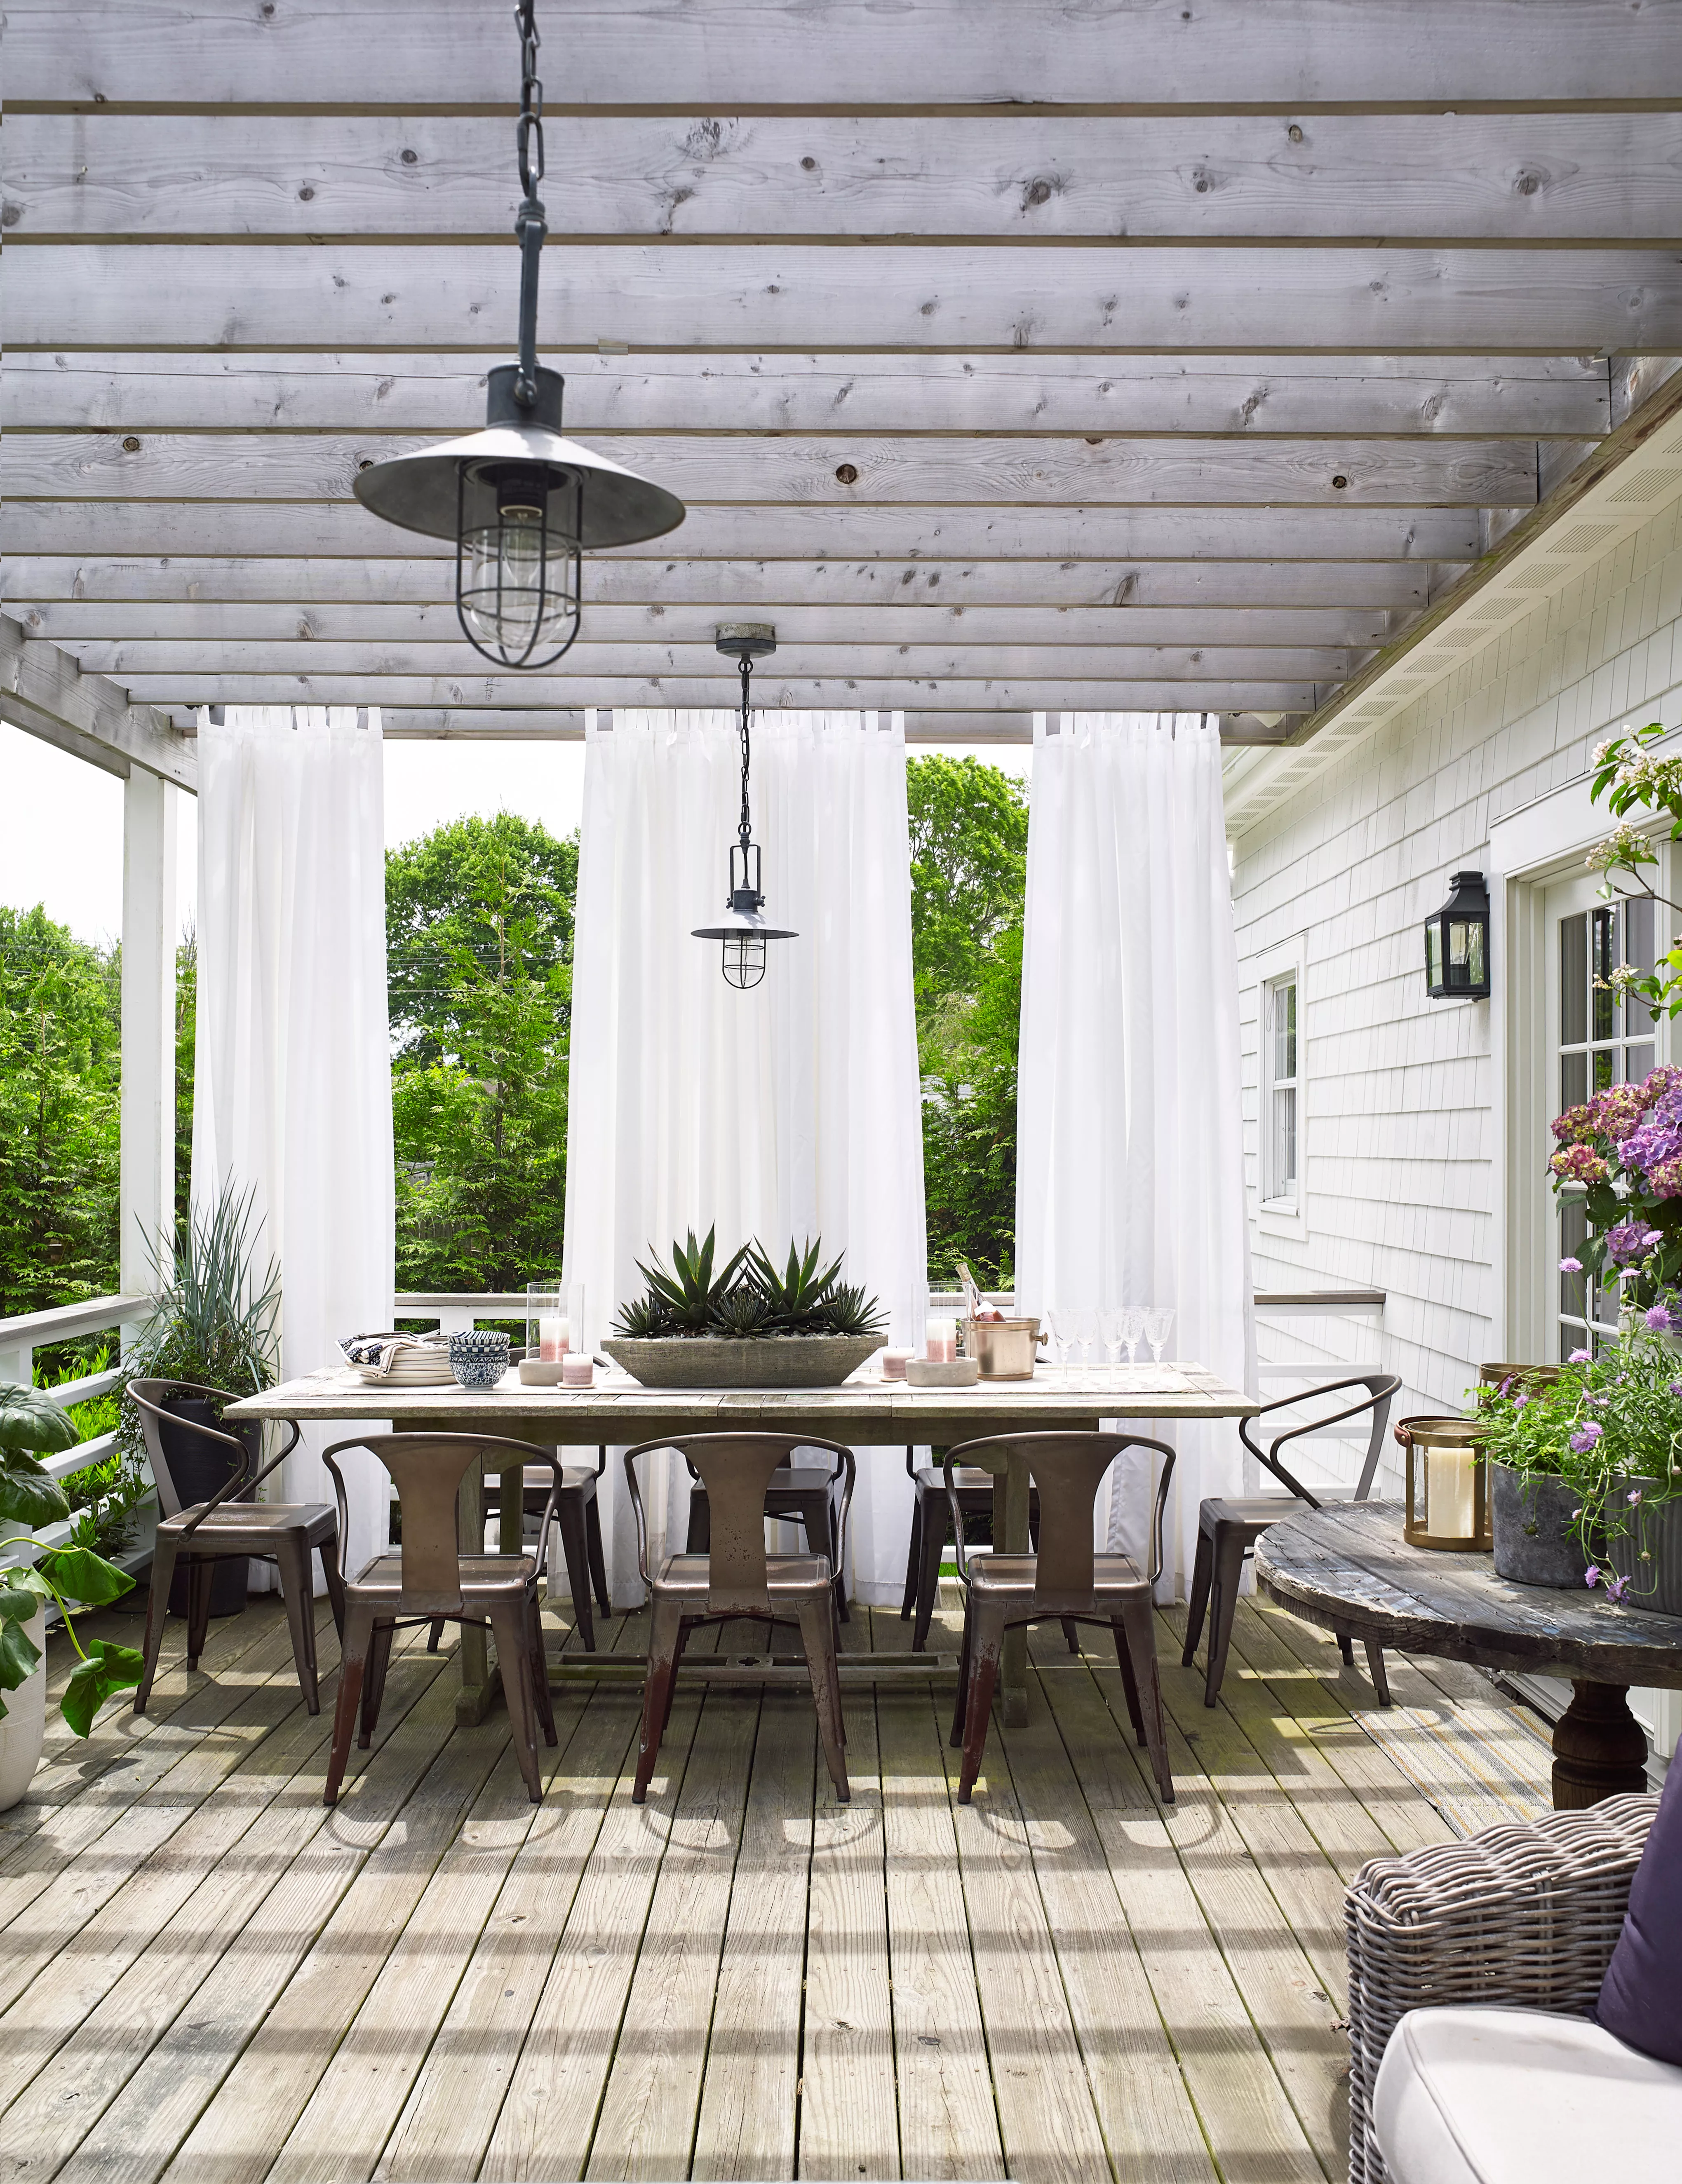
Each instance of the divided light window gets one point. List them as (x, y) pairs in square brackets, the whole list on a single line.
[(1602, 1041), (1279, 1122)]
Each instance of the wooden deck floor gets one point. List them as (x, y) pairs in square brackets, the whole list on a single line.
[(207, 1976)]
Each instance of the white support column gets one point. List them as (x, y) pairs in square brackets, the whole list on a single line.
[(147, 1174)]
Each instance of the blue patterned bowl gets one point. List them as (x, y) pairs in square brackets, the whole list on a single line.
[(478, 1357)]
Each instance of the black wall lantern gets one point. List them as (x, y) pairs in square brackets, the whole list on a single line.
[(741, 932), (1457, 943), (522, 504)]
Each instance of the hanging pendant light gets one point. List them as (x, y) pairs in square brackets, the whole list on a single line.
[(741, 932), (522, 503)]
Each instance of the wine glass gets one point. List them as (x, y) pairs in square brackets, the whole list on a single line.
[(1159, 1325), (1132, 1329), (1110, 1319), (1083, 1327), (1056, 1325)]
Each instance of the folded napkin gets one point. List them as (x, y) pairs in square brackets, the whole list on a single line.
[(384, 1350)]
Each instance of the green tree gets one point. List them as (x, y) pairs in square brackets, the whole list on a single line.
[(60, 1053), (479, 942), (969, 824)]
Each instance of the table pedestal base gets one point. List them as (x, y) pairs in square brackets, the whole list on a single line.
[(1600, 1749)]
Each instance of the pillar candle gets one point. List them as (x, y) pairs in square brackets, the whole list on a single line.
[(940, 1345), (578, 1370), (893, 1364), (551, 1331)]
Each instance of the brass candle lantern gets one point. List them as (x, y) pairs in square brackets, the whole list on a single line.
[(1448, 1489)]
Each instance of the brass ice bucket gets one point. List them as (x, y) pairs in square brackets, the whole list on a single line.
[(1003, 1349)]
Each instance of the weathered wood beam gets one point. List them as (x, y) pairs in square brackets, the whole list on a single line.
[(884, 533), (44, 692), (413, 724), (611, 582), (640, 54), (1525, 398), (843, 472), (146, 663), (1043, 692), (1606, 177), (914, 296), (883, 622)]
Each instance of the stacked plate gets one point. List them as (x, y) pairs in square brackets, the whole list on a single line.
[(416, 1365)]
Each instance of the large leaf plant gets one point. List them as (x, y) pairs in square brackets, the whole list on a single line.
[(32, 1426)]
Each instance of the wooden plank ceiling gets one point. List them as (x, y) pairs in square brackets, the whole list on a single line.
[(1010, 354)]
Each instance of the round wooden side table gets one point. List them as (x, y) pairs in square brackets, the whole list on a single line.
[(1348, 1567)]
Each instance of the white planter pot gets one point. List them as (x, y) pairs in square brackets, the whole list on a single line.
[(24, 1725)]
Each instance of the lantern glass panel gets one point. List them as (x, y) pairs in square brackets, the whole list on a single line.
[(1447, 1486), (517, 566), (743, 959), (1433, 952)]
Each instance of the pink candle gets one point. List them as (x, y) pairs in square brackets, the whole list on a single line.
[(893, 1364), (577, 1371), (552, 1330), (940, 1343)]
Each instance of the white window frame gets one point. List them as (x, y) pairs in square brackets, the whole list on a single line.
[(1280, 1215)]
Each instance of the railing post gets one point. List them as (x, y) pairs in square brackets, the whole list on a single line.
[(147, 1148)]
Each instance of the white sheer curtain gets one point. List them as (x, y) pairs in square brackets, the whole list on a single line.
[(789, 1111), (1130, 1167), (292, 1063)]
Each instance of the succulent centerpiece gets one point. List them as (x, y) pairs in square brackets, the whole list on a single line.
[(748, 1324)]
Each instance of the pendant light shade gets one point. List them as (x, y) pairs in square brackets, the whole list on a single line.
[(522, 504)]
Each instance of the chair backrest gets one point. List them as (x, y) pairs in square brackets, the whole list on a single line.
[(148, 1397), (1379, 1391), (735, 1469), (1068, 1468), (428, 1469)]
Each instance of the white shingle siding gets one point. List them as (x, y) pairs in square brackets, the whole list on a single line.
[(1398, 1180)]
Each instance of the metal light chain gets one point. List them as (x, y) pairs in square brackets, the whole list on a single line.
[(530, 224), (745, 828)]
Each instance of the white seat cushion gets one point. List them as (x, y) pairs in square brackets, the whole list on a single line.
[(1522, 2097)]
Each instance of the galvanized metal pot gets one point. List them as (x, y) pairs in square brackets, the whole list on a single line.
[(1533, 1543)]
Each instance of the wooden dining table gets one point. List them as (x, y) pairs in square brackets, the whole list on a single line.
[(868, 1412)]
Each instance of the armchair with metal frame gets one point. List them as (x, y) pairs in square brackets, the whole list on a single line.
[(1228, 1528), (230, 1523)]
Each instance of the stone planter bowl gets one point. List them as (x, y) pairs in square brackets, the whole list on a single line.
[(779, 1361), (1532, 1514)]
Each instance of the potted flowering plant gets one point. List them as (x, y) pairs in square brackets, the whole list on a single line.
[(1621, 1155), (1586, 1470)]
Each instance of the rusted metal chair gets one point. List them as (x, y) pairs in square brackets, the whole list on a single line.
[(1228, 1529), (194, 1536), (737, 1577), (431, 1576), (1065, 1581), (578, 1519), (795, 1494), (931, 1525)]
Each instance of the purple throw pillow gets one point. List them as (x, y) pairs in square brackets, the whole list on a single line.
[(1641, 2000)]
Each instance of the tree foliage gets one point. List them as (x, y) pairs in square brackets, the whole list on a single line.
[(479, 944), (969, 865)]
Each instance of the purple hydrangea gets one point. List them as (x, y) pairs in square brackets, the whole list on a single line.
[(1656, 1141), (1586, 1435), (1630, 1240)]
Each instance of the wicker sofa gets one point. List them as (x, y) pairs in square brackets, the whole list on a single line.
[(1524, 1917)]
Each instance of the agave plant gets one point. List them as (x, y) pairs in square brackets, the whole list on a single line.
[(793, 1295), (749, 1296), (743, 1312), (690, 1293), (848, 1311)]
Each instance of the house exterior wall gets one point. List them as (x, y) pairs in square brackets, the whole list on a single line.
[(1404, 1162)]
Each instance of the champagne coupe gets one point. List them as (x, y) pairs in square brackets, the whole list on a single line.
[(1159, 1325)]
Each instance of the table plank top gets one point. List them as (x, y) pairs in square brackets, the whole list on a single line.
[(1348, 1566), (865, 1410)]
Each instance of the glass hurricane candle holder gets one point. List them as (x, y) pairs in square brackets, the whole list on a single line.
[(1448, 1490), (546, 1323)]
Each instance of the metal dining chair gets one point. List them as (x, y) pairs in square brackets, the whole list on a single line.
[(230, 1523), (794, 1494), (736, 1576), (431, 1576), (931, 1527), (1065, 1580), (1228, 1528)]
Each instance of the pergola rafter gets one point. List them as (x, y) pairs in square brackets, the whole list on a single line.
[(1120, 355)]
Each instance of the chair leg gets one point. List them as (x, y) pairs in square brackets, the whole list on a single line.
[(1071, 1634), (936, 1521), (542, 1697), (817, 1634), (373, 1684), (820, 1518), (570, 1516), (292, 1560), (1346, 1647), (435, 1634), (1130, 1682), (1197, 1607), (1229, 1570), (157, 1614), (1139, 1622), (913, 1556), (593, 1554), (200, 1573), (987, 1643), (333, 1576), (665, 1643), (357, 1633), (960, 1711), (511, 1628), (1375, 1668)]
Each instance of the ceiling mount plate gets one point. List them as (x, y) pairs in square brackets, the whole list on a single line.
[(746, 640)]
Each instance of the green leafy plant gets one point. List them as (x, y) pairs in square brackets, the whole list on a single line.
[(31, 1425), (750, 1296)]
